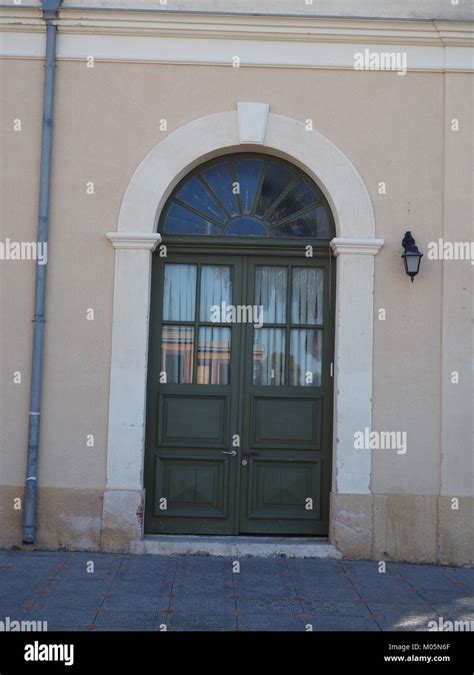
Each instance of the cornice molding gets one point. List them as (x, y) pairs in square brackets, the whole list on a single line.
[(258, 27), (348, 246), (262, 41), (146, 240), (22, 19)]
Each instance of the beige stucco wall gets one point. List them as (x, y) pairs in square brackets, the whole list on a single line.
[(20, 98), (392, 128)]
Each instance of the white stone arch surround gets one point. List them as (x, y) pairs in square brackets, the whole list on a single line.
[(251, 127), (193, 143)]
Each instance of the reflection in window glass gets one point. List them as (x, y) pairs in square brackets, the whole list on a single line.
[(183, 221), (248, 175), (216, 288), (269, 356), (213, 360), (324, 225), (307, 295), (305, 358), (302, 226), (221, 180), (196, 195), (301, 196), (179, 295), (270, 292), (277, 179), (177, 348), (246, 195), (246, 227)]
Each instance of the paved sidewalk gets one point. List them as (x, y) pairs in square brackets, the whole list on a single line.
[(126, 592)]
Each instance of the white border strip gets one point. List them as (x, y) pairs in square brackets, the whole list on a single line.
[(270, 41)]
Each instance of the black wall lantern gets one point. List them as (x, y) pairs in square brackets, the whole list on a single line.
[(412, 256)]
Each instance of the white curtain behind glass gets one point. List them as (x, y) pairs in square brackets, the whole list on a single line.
[(179, 295), (305, 357), (269, 357), (269, 343), (307, 296), (307, 309), (270, 292), (216, 288)]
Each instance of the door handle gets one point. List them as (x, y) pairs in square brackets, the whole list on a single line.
[(229, 452)]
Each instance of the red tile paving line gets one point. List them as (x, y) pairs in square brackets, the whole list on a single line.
[(105, 594), (372, 617), (168, 611), (43, 592), (430, 604), (235, 597), (304, 616), (458, 582)]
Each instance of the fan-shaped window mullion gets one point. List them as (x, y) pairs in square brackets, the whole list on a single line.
[(297, 198), (215, 196), (281, 197), (258, 191), (249, 172), (201, 214), (276, 200), (235, 180), (219, 176), (278, 177), (314, 205)]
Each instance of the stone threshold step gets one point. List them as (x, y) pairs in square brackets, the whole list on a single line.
[(262, 547)]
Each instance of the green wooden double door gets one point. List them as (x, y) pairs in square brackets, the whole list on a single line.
[(239, 413)]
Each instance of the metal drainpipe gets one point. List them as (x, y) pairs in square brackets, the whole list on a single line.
[(50, 12)]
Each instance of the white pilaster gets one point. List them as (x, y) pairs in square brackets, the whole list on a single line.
[(353, 361), (129, 358)]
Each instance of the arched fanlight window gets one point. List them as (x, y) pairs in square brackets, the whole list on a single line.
[(247, 195)]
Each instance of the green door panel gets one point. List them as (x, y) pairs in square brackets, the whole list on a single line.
[(280, 489), (191, 486), (193, 419), (285, 422)]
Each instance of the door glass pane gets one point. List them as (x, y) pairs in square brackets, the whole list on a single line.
[(213, 364), (269, 356), (177, 348), (270, 293), (307, 295), (305, 357), (216, 288), (179, 295)]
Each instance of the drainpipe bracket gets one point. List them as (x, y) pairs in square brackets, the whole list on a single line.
[(50, 8)]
